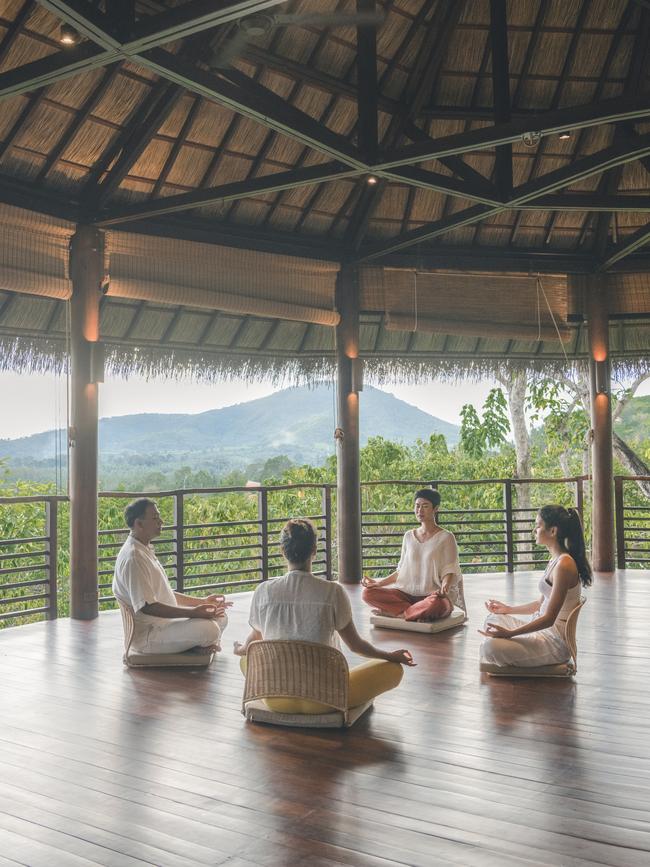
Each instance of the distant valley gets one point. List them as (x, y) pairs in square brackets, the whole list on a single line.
[(295, 422)]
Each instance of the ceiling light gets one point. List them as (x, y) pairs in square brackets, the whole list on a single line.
[(68, 35), (565, 135), (372, 180)]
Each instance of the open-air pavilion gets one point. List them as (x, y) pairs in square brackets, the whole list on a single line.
[(301, 189)]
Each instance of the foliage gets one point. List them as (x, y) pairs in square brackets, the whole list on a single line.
[(477, 434)]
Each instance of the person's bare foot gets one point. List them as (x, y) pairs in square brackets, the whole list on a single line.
[(209, 648)]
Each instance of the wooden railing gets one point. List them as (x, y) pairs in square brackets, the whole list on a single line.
[(205, 547), (203, 556), (492, 538), (28, 561), (632, 522)]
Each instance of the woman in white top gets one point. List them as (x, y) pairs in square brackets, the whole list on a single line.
[(302, 607), (427, 582), (540, 638)]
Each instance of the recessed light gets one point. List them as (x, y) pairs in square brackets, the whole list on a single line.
[(68, 35)]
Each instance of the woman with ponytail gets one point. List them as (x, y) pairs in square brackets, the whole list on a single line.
[(539, 639)]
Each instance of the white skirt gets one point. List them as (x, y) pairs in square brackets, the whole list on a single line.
[(545, 647)]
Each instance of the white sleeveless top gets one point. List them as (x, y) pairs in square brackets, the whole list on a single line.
[(571, 599)]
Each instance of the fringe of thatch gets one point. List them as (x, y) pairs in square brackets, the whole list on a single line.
[(42, 355)]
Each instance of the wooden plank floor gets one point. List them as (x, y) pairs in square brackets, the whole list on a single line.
[(101, 765)]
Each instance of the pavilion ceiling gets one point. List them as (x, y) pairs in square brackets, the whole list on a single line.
[(149, 338), (457, 108)]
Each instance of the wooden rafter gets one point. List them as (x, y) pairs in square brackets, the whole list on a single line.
[(614, 110), (228, 192), (552, 181), (501, 91)]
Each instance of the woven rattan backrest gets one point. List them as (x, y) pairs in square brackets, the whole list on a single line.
[(128, 624), (570, 630), (297, 669)]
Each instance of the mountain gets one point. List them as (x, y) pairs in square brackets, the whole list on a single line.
[(297, 422)]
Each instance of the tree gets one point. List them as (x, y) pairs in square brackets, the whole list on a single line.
[(477, 434)]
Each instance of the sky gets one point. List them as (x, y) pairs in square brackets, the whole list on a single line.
[(36, 402)]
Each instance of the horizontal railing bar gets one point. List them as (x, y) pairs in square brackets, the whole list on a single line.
[(284, 520), (221, 549), (13, 600), (189, 564), (18, 584), (465, 482), (33, 498), (246, 523), (219, 536), (27, 613), (224, 572), (24, 555), (219, 585), (26, 541), (18, 569)]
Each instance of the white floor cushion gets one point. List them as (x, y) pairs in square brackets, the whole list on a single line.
[(456, 617)]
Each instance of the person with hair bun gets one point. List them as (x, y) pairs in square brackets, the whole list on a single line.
[(300, 606), (540, 638), (427, 582)]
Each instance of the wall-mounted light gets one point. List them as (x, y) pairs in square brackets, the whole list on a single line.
[(68, 35), (563, 136), (357, 374), (97, 357), (372, 180), (602, 377)]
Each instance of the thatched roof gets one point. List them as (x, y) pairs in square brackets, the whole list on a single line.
[(166, 127)]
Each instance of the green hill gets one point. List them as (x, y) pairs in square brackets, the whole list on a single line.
[(297, 422)]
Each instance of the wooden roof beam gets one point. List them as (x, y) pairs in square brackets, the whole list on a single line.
[(600, 161), (252, 100), (612, 110), (55, 67), (104, 32), (189, 19), (615, 254), (367, 85), (258, 186), (479, 191), (419, 87), (138, 140), (501, 92)]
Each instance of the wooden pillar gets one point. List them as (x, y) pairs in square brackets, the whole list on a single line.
[(86, 271), (602, 520), (348, 499)]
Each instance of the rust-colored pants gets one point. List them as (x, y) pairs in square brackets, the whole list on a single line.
[(394, 602)]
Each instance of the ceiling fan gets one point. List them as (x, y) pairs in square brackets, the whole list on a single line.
[(256, 26)]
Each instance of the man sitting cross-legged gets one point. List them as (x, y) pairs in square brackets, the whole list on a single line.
[(165, 621)]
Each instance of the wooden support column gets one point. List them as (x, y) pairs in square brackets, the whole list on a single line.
[(86, 271), (602, 520), (348, 500)]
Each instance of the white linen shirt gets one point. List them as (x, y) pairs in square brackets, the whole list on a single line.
[(140, 578), (300, 607), (423, 565)]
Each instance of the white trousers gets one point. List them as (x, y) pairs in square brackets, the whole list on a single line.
[(174, 635), (545, 647)]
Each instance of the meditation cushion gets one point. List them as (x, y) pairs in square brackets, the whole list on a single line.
[(456, 618)]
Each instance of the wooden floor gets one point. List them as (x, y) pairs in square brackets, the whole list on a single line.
[(101, 765)]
